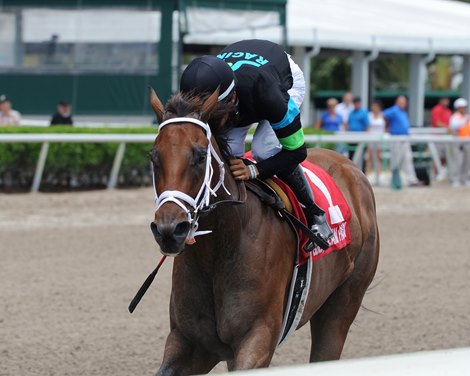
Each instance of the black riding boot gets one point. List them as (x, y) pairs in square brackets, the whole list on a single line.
[(316, 217)]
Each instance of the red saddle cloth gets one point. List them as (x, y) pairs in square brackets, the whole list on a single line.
[(330, 198)]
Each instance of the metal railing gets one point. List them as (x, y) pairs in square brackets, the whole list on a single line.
[(359, 138), (427, 363)]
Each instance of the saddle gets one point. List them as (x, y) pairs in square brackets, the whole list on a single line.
[(272, 195)]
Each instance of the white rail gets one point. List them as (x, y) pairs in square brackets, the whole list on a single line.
[(455, 362), (338, 138), (362, 139)]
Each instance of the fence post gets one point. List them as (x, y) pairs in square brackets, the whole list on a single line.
[(40, 167), (437, 160), (113, 177), (359, 155)]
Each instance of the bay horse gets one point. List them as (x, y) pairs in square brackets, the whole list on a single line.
[(229, 288)]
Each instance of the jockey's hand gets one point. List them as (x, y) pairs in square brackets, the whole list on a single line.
[(240, 171)]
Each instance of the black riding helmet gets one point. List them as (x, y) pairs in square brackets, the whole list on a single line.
[(204, 74)]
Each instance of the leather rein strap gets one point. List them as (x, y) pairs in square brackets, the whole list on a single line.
[(268, 196), (241, 200)]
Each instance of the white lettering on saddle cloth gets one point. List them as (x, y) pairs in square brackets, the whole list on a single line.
[(335, 212), (339, 234)]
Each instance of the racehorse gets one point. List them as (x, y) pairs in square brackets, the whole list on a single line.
[(229, 287)]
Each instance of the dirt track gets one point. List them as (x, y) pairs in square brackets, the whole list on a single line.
[(70, 263)]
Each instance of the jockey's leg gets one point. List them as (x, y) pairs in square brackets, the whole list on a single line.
[(236, 140), (265, 142), (316, 217)]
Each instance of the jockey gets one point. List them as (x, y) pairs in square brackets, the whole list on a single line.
[(267, 87)]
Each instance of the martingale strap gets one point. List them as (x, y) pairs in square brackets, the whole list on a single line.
[(202, 198)]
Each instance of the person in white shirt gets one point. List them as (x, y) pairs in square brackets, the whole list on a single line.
[(344, 108), (459, 125), (376, 126), (8, 116)]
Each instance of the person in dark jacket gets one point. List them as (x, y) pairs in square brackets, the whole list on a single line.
[(63, 116), (267, 87)]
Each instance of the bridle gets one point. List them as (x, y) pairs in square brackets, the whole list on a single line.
[(201, 201)]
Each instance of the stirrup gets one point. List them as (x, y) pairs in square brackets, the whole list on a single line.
[(322, 243), (323, 234)]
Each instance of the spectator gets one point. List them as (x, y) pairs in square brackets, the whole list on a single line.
[(344, 108), (330, 120), (460, 126), (8, 116), (63, 116), (401, 156), (358, 121), (440, 114), (376, 126)]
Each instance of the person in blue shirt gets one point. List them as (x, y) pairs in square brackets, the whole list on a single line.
[(358, 121), (330, 120), (358, 118), (396, 116), (401, 156)]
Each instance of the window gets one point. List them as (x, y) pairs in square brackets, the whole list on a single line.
[(80, 40)]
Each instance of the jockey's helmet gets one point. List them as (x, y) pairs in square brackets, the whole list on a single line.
[(204, 74)]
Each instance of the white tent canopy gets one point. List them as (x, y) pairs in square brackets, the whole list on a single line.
[(398, 26)]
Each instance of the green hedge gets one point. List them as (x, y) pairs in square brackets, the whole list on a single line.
[(76, 165), (72, 165)]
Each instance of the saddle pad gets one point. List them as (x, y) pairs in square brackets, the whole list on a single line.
[(328, 197)]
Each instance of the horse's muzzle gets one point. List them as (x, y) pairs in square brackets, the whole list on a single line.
[(170, 237)]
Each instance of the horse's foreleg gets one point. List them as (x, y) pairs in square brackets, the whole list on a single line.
[(184, 358), (255, 349)]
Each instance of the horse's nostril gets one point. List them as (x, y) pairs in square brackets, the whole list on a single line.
[(182, 229), (177, 232), (155, 231)]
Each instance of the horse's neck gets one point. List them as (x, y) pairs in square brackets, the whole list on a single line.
[(216, 219), (229, 182)]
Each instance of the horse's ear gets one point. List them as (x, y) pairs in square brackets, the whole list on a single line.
[(156, 104), (209, 105)]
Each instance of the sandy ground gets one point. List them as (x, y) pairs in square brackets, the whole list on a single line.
[(71, 262)]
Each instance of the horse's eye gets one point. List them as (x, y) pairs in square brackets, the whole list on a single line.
[(202, 157), (153, 157), (198, 157)]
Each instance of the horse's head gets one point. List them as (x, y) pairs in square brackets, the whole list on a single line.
[(181, 159)]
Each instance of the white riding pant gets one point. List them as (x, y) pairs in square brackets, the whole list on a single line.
[(265, 142)]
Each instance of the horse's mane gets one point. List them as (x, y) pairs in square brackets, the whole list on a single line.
[(189, 104)]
